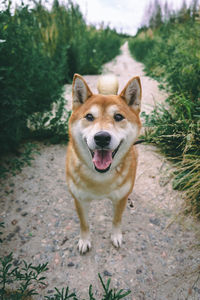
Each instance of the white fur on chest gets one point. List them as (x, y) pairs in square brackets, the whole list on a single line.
[(106, 186)]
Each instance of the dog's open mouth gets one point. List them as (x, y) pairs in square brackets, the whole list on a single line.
[(102, 158)]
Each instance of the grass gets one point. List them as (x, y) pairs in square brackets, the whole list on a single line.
[(40, 50), (27, 278), (169, 50), (21, 282)]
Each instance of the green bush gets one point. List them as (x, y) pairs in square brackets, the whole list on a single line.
[(171, 55), (141, 47), (30, 80), (40, 50)]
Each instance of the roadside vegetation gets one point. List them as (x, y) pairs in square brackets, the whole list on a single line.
[(22, 281), (168, 45), (40, 50)]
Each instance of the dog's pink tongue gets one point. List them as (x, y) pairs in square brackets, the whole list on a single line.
[(102, 159)]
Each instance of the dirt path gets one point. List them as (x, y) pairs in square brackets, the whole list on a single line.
[(155, 260)]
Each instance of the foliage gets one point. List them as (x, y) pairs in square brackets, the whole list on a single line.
[(111, 294), (30, 80), (170, 53), (21, 282), (40, 50), (28, 277), (52, 125), (14, 163)]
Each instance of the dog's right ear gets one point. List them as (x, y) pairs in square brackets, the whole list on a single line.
[(80, 91)]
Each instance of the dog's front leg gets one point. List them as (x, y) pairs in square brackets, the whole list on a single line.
[(118, 208), (82, 208)]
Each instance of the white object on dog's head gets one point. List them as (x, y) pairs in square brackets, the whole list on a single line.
[(132, 93), (108, 85), (80, 91)]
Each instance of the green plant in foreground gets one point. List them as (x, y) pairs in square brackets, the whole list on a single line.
[(20, 283), (109, 293), (26, 277)]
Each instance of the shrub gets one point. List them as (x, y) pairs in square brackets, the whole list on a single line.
[(171, 55), (30, 80), (39, 52)]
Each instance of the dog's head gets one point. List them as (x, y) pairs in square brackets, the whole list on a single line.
[(102, 128)]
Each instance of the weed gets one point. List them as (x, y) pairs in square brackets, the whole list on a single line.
[(26, 278), (20, 282)]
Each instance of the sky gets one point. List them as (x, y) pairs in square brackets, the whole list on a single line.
[(126, 16)]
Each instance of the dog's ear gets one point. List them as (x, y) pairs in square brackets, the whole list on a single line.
[(80, 91), (132, 93)]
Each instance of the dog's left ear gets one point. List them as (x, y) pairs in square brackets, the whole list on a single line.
[(132, 93), (80, 91)]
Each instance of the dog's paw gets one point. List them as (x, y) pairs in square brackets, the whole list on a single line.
[(116, 239), (84, 245)]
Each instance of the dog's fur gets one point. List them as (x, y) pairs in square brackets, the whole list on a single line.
[(101, 159)]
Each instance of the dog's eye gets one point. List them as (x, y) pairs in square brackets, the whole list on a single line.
[(118, 117), (89, 117)]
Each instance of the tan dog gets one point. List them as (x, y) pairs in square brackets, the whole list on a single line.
[(101, 159)]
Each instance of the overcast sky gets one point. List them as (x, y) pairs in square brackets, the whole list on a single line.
[(124, 15)]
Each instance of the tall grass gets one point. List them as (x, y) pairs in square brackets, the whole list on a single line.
[(40, 50), (170, 51)]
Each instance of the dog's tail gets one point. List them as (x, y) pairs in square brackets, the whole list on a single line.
[(108, 85)]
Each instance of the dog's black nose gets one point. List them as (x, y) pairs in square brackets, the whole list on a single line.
[(102, 138)]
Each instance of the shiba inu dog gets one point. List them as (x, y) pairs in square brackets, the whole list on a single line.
[(101, 158)]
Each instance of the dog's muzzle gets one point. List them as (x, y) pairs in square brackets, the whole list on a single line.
[(102, 158)]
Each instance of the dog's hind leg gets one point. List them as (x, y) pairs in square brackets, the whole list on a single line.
[(118, 207), (82, 209)]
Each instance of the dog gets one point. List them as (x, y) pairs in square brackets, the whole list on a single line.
[(101, 158)]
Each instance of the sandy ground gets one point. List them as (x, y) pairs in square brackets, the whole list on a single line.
[(156, 260)]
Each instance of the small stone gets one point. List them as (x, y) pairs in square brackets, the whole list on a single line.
[(106, 273), (197, 290), (24, 214), (10, 236), (14, 222), (71, 264), (180, 250), (17, 229), (57, 223), (131, 204), (64, 240), (18, 209), (154, 221)]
